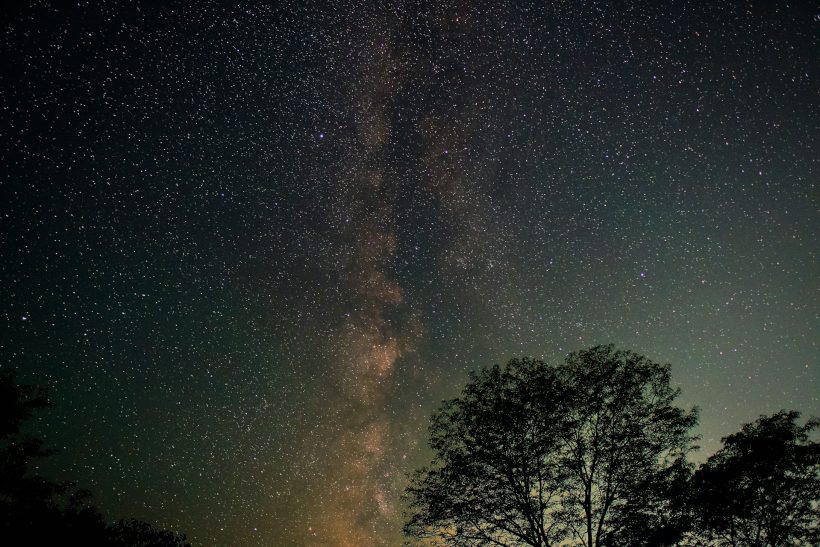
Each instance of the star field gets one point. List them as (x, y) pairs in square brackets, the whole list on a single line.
[(250, 247)]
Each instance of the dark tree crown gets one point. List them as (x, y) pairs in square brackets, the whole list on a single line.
[(590, 451)]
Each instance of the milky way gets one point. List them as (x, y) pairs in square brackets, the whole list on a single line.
[(250, 248)]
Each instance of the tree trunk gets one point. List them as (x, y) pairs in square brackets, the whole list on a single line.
[(588, 511)]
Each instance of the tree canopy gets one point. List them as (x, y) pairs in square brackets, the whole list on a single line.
[(37, 511), (763, 487), (588, 452)]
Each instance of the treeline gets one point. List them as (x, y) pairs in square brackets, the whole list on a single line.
[(594, 452), (37, 511)]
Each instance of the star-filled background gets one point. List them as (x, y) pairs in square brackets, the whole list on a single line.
[(250, 246)]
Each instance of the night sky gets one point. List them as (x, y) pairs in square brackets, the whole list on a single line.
[(250, 248)]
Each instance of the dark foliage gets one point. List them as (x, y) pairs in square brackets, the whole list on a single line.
[(37, 511), (590, 452), (763, 487), (137, 533)]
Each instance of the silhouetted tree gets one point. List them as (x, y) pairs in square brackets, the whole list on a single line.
[(37, 511), (136, 533), (26, 500), (590, 452), (762, 489)]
